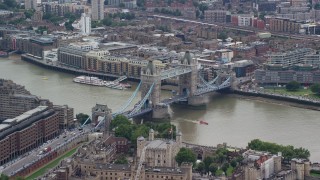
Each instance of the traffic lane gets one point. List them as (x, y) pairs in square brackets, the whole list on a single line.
[(34, 155)]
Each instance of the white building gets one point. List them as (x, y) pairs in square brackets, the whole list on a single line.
[(97, 9), (85, 24), (245, 19), (30, 4)]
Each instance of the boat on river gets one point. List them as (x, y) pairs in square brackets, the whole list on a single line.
[(95, 81)]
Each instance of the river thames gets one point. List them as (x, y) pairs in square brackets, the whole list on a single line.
[(232, 120)]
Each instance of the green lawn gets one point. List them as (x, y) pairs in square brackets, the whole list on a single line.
[(315, 174), (300, 92), (229, 171), (52, 164)]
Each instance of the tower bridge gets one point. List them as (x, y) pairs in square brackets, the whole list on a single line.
[(191, 89)]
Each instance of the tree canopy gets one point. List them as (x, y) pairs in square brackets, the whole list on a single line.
[(293, 86), (315, 88), (185, 155), (288, 152), (82, 118), (124, 128), (121, 160)]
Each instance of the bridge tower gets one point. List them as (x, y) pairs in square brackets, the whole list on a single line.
[(101, 112), (188, 82), (150, 75)]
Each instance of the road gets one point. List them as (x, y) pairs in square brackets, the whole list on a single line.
[(31, 157), (245, 29)]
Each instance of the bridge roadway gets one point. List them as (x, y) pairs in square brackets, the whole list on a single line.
[(146, 110), (244, 29)]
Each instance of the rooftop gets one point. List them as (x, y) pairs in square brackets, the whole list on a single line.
[(158, 144)]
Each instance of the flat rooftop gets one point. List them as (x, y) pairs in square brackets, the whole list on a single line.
[(25, 115)]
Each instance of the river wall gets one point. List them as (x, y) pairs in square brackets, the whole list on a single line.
[(279, 99)]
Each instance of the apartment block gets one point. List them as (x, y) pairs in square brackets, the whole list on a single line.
[(215, 16), (289, 58)]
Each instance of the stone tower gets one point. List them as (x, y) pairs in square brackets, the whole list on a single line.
[(151, 135), (179, 138), (188, 82), (102, 112), (150, 75), (141, 142), (99, 110)]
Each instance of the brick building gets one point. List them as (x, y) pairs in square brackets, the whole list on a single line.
[(27, 131), (284, 25), (261, 47), (246, 52)]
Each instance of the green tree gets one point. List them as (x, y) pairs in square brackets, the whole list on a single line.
[(223, 36), (121, 160), (293, 86), (122, 5), (315, 88), (140, 3), (4, 177), (202, 7), (185, 155), (107, 21), (10, 3), (288, 152), (200, 168), (207, 162), (233, 163), (29, 13), (262, 16), (82, 118), (124, 130), (225, 167), (141, 130), (317, 6), (213, 168), (118, 120)]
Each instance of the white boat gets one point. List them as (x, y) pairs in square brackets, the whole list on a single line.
[(99, 82), (89, 80)]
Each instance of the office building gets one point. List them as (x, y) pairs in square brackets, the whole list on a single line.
[(85, 24), (97, 9)]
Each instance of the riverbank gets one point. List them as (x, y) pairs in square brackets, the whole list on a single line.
[(70, 70), (273, 100)]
